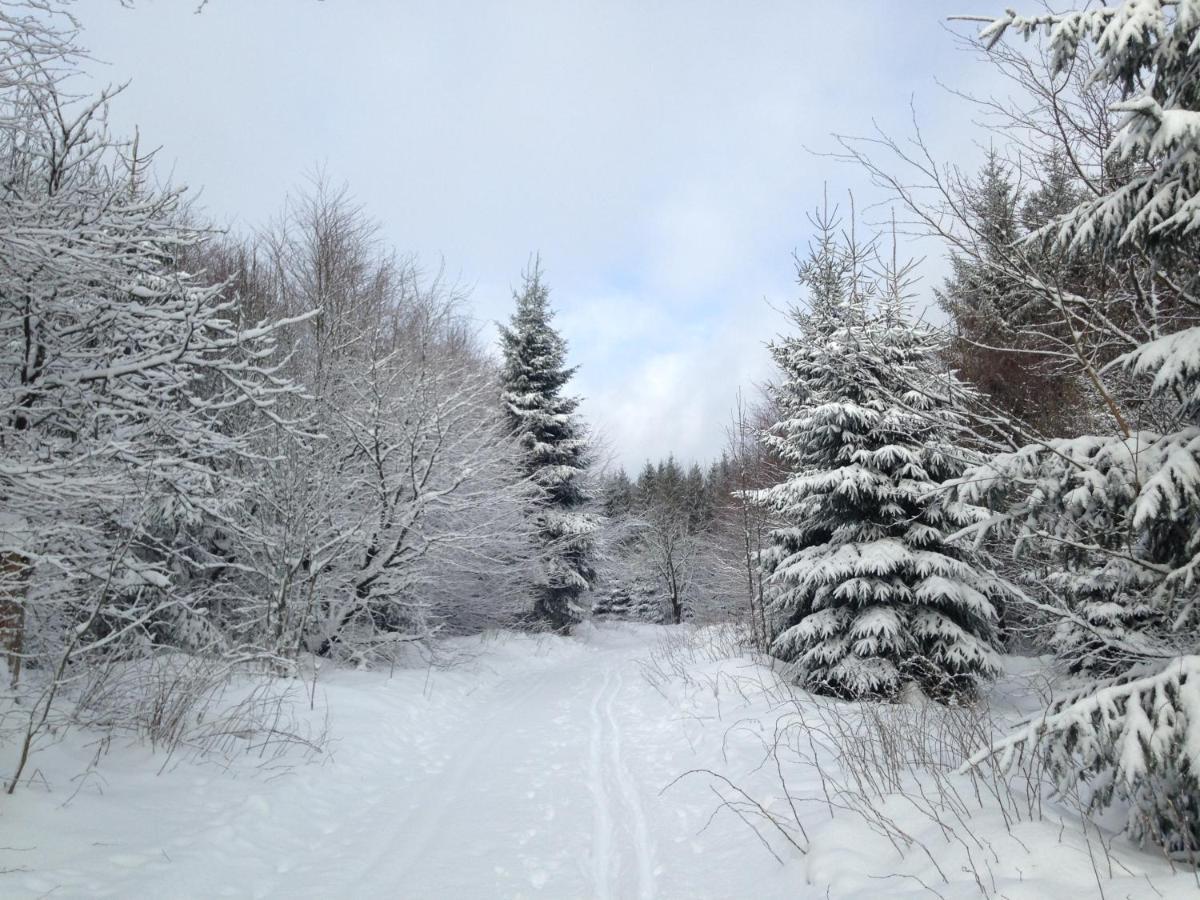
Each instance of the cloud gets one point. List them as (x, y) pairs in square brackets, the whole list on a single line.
[(656, 154)]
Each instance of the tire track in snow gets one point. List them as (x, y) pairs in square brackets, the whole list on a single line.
[(602, 818), (631, 799)]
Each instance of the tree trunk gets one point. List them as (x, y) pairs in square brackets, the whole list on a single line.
[(14, 579)]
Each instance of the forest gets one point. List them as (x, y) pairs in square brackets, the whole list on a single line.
[(286, 530)]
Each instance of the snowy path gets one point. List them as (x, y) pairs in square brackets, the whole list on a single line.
[(526, 778), (537, 792), (534, 770)]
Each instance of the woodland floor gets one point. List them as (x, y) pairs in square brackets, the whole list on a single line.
[(531, 768)]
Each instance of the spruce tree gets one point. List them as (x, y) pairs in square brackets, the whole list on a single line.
[(1127, 502), (647, 483), (699, 502), (555, 445), (866, 594), (992, 305), (618, 495)]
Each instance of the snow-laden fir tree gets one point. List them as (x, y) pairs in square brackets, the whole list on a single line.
[(867, 597), (1127, 503), (1000, 342), (534, 378)]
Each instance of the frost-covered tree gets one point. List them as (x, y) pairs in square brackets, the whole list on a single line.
[(120, 371), (664, 531), (672, 548), (555, 448), (1126, 505), (658, 561), (404, 515), (866, 594), (119, 368)]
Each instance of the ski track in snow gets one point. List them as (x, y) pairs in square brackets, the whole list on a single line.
[(535, 782), (519, 758), (642, 846), (616, 860), (620, 821), (532, 776), (602, 823), (412, 835)]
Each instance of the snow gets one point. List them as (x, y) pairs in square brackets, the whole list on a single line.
[(535, 767), (1172, 360)]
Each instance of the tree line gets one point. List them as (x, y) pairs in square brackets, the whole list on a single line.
[(1026, 477), (247, 449), (296, 443)]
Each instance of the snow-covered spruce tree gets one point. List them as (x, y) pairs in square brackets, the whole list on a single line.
[(1128, 504), (555, 449), (866, 596), (998, 327)]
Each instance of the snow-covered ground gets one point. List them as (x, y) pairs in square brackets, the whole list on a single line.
[(539, 767)]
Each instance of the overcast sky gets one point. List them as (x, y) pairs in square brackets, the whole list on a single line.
[(657, 154)]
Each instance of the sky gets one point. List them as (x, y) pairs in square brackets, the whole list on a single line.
[(660, 155)]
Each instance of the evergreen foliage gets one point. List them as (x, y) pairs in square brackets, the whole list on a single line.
[(1126, 506), (999, 339), (555, 448), (866, 593)]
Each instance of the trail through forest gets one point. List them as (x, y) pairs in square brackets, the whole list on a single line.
[(515, 774), (533, 767)]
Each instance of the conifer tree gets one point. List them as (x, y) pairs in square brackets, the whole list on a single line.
[(534, 377), (647, 482), (699, 503), (618, 495), (999, 334), (866, 594), (1126, 503)]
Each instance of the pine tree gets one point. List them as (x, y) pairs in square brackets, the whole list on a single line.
[(618, 496), (866, 594), (555, 446), (991, 304), (1128, 503)]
